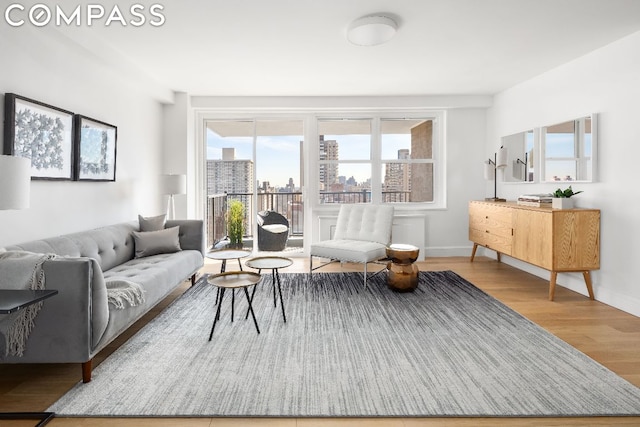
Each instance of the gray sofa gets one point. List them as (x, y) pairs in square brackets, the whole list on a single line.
[(78, 322)]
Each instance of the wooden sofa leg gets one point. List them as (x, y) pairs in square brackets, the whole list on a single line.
[(86, 371), (193, 279)]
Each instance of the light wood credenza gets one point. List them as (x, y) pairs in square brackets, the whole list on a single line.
[(558, 240)]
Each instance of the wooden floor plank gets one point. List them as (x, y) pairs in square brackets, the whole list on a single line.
[(608, 335)]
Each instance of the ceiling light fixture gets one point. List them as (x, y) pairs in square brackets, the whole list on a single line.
[(371, 30)]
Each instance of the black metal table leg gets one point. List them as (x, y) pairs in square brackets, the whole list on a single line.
[(246, 292), (223, 267), (274, 271), (233, 302), (253, 293), (280, 292), (217, 316)]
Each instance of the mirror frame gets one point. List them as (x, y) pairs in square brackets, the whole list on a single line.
[(580, 136)]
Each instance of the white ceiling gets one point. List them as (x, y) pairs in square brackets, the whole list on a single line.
[(299, 48)]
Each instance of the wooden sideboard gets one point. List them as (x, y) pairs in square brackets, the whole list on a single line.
[(558, 240)]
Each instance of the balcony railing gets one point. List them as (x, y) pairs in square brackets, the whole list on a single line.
[(287, 204), (290, 205)]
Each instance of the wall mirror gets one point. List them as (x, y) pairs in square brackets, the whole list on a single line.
[(569, 150), (520, 148)]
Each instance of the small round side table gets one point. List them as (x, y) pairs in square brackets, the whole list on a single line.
[(273, 263), (402, 272), (226, 254), (233, 280)]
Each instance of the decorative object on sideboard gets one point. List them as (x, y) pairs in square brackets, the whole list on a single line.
[(491, 172), (535, 200), (562, 198), (173, 184), (42, 133), (15, 182), (95, 149)]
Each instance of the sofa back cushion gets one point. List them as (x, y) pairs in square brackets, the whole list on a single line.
[(109, 246), (367, 222)]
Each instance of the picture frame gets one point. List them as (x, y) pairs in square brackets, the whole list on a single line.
[(95, 149), (42, 133)]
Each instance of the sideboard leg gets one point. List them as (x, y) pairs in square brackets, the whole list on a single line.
[(587, 281), (499, 255), (473, 252), (552, 285)]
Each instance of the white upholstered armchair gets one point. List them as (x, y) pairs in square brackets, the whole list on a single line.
[(362, 234)]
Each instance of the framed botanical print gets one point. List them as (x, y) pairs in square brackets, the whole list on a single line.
[(95, 154), (42, 133)]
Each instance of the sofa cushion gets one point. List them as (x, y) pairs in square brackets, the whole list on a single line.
[(158, 275), (149, 243), (152, 223)]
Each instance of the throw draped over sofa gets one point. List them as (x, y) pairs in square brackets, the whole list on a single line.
[(362, 234)]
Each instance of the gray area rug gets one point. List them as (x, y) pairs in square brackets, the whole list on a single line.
[(448, 349)]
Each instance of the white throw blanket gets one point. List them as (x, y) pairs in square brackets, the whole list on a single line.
[(121, 291), (20, 270)]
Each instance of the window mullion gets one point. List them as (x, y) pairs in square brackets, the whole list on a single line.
[(376, 165)]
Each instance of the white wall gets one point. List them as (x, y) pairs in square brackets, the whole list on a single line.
[(607, 82), (49, 68)]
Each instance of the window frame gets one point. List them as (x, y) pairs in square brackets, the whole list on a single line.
[(377, 162)]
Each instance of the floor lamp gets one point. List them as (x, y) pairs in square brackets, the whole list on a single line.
[(491, 172), (15, 182), (172, 185)]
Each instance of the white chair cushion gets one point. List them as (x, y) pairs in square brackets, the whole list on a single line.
[(364, 222), (275, 228), (349, 250)]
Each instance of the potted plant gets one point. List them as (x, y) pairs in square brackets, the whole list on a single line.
[(235, 223), (562, 198)]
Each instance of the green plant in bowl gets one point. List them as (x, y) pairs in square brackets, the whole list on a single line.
[(565, 193)]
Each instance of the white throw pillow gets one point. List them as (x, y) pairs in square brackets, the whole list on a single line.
[(149, 243)]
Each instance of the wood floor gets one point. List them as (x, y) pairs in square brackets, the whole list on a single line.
[(608, 335)]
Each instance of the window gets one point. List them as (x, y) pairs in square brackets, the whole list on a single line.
[(344, 150), (379, 159), (407, 160)]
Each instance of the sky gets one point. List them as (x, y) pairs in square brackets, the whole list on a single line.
[(278, 157)]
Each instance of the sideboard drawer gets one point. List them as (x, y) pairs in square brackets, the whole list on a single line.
[(496, 242)]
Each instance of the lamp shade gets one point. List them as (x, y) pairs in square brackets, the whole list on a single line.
[(371, 30), (488, 170), (15, 182), (174, 184), (501, 161)]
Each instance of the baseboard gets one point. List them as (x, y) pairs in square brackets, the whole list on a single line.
[(446, 251), (575, 282)]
